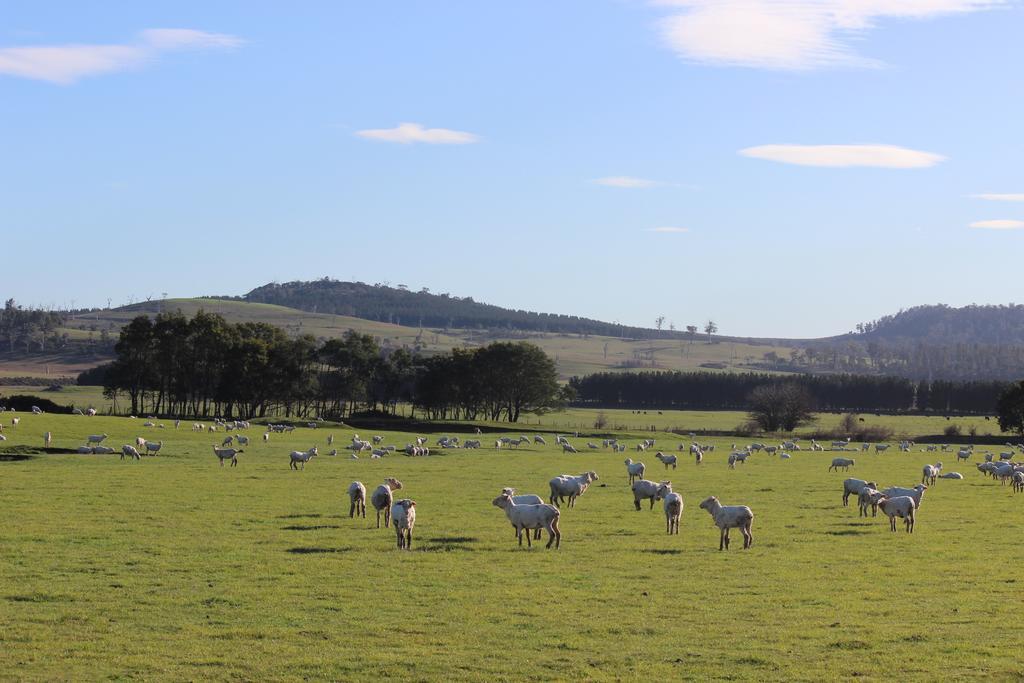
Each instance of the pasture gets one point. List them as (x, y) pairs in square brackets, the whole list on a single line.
[(173, 567)]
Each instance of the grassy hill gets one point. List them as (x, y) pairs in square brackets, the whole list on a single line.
[(575, 354)]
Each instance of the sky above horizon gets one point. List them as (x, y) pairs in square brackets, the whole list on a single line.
[(787, 168)]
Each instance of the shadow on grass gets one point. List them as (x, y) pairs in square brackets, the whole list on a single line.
[(662, 551), (306, 550), (298, 516), (454, 539), (297, 527), (848, 532)]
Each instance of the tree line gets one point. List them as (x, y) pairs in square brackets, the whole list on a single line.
[(834, 393), (205, 366), (30, 329)]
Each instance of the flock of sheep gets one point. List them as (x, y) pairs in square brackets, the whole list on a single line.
[(531, 514)]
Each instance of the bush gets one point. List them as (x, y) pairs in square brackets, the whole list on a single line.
[(952, 430), (24, 404), (748, 428), (601, 421)]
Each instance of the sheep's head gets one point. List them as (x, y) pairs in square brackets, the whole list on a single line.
[(593, 475), (708, 503), (508, 490), (628, 462), (871, 484), (393, 483), (502, 501), (664, 488)]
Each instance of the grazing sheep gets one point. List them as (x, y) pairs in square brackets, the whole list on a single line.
[(880, 447), (382, 498), (853, 487), (570, 486), (644, 489), (730, 517), (228, 441), (539, 440), (129, 452), (1018, 481), (634, 470), (845, 463), (673, 506), (917, 493), (566, 448), (900, 506), (667, 460), (153, 448), (91, 412), (302, 457), (357, 498), (530, 516), (226, 454), (96, 438), (868, 496), (242, 440), (403, 513)]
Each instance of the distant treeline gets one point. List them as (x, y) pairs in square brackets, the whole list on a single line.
[(990, 325), (30, 329), (721, 391), (204, 366), (423, 309)]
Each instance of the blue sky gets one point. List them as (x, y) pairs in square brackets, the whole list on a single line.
[(786, 168)]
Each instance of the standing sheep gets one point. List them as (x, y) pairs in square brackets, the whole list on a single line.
[(382, 499), (635, 470), (900, 506), (357, 498), (530, 517), (403, 513), (730, 517), (853, 487), (845, 463), (667, 460), (648, 490), (673, 506)]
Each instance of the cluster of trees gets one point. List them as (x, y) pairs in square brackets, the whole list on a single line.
[(991, 325), (203, 366), (30, 329), (836, 393)]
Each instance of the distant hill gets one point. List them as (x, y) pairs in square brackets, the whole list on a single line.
[(424, 309), (941, 324)]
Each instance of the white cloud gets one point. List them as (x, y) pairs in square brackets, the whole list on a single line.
[(838, 156), (998, 225), (626, 181), (1000, 197), (668, 229), (789, 34), (408, 133), (66, 64)]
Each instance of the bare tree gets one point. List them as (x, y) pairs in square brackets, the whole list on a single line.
[(710, 329), (780, 407), (659, 321)]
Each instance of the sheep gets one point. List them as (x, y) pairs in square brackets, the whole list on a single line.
[(47, 439), (730, 517), (15, 421), (568, 485), (673, 506), (471, 443), (140, 442), (881, 447), (634, 470), (964, 454), (899, 506), (917, 493), (85, 450), (648, 490), (784, 456), (403, 513), (951, 475), (530, 516), (930, 473), (592, 445), (357, 497), (538, 439), (302, 457), (1018, 481), (525, 499), (228, 441), (129, 452), (226, 454), (153, 448), (149, 424), (667, 460), (566, 448), (96, 438), (266, 437), (853, 487), (868, 496), (382, 498), (738, 457), (102, 450), (845, 463), (1006, 455), (377, 438), (242, 440), (91, 412)]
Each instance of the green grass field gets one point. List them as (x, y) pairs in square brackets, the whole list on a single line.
[(175, 568)]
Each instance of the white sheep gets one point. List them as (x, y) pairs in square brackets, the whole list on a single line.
[(634, 470), (228, 441), (153, 448), (845, 463), (226, 454), (853, 487), (567, 448), (900, 506), (102, 450), (667, 460), (951, 475), (730, 517), (530, 516), (242, 440), (930, 473), (357, 498), (673, 505), (96, 438), (47, 439), (868, 496), (917, 493), (645, 489), (382, 498), (130, 452), (539, 440), (403, 514), (569, 486), (302, 457)]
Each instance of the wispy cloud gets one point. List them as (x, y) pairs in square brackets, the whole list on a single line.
[(840, 156), (409, 133), (1002, 224), (1000, 197), (667, 229), (790, 34), (66, 64), (626, 182)]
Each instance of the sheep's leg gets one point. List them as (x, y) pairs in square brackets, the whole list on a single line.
[(352, 510), (652, 503), (519, 536), (636, 502), (378, 518), (529, 536), (408, 539), (387, 517), (721, 539)]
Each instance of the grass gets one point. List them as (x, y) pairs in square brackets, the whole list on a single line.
[(176, 568)]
